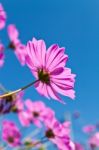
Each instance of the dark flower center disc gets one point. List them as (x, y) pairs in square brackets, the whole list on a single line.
[(43, 76), (50, 134)]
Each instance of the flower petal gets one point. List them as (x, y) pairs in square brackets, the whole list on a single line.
[(68, 92), (53, 94), (12, 32)]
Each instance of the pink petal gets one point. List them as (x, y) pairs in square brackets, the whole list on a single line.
[(44, 90), (65, 83), (59, 62), (39, 86), (41, 51), (2, 23), (69, 92), (2, 17), (24, 118), (55, 57), (21, 53), (65, 74), (12, 32), (50, 54), (32, 54), (53, 94), (57, 71), (37, 123), (29, 105)]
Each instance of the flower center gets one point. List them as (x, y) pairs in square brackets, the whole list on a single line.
[(14, 109), (9, 98), (49, 134), (35, 114), (93, 146), (44, 76), (12, 46), (10, 139)]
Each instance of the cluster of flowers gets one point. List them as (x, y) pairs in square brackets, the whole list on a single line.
[(38, 114), (52, 79), (48, 67), (91, 131)]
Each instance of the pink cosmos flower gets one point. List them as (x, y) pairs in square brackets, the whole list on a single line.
[(49, 69), (55, 134), (16, 44), (78, 146), (2, 17), (36, 112), (89, 128), (1, 55), (11, 133), (94, 140)]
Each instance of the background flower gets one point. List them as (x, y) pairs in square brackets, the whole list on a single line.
[(1, 54), (94, 140), (89, 128), (15, 43), (11, 133), (2, 17)]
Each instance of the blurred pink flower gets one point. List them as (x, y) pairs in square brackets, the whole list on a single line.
[(49, 69), (55, 134), (10, 133), (89, 128), (2, 17), (78, 146), (16, 44), (1, 55), (94, 140), (38, 112)]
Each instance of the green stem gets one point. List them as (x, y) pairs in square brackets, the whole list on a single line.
[(17, 91)]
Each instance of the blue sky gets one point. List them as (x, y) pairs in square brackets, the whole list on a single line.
[(73, 24)]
